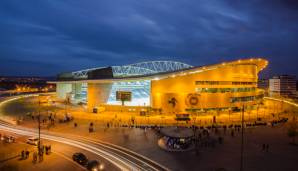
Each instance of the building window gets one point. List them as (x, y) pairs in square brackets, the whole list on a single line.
[(225, 83), (225, 90)]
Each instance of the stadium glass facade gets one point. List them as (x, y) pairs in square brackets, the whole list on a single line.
[(140, 91), (166, 85)]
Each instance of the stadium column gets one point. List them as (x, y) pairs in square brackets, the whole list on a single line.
[(62, 90), (98, 94)]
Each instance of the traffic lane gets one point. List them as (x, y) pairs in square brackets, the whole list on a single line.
[(122, 160), (50, 162), (67, 151)]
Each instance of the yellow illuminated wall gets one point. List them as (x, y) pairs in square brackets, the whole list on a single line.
[(183, 87), (98, 94), (191, 89)]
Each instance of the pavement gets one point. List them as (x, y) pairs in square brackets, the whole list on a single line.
[(281, 155), (57, 160), (119, 157)]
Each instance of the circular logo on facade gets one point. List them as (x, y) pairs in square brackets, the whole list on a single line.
[(192, 99)]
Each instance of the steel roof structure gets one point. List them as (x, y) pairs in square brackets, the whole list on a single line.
[(138, 69)]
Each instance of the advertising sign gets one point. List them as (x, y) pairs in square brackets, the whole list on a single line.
[(123, 96)]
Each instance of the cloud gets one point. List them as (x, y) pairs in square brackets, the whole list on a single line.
[(72, 35)]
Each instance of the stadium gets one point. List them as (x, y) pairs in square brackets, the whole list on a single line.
[(164, 86)]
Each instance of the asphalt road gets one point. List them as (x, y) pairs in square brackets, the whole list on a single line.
[(60, 158), (120, 157)]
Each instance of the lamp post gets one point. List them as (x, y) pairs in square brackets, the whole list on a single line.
[(242, 138), (38, 146), (257, 110), (39, 127), (229, 115)]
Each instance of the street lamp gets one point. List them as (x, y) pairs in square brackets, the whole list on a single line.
[(38, 146), (242, 138), (39, 127)]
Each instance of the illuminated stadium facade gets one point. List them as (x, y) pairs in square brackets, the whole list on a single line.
[(166, 85)]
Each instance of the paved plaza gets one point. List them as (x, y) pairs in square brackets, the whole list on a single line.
[(280, 155)]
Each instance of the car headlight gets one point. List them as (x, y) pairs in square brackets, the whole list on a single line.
[(101, 166), (94, 169)]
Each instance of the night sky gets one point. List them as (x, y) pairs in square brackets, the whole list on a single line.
[(45, 37)]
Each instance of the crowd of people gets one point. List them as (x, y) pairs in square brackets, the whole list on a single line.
[(44, 149), (177, 143)]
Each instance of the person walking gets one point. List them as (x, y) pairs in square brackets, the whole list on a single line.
[(27, 154), (23, 155), (49, 149), (267, 148), (41, 157), (34, 157)]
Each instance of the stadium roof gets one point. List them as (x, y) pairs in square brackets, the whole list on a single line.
[(156, 70)]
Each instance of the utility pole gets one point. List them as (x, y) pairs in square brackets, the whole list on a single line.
[(242, 136), (257, 110), (38, 126)]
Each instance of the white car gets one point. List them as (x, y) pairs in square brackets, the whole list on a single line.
[(32, 141), (9, 139)]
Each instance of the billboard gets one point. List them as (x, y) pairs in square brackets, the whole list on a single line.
[(123, 95)]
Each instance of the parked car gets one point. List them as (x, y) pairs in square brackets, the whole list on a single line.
[(80, 158), (2, 137), (94, 165), (32, 141), (9, 139)]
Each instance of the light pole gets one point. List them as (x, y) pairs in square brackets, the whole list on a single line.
[(257, 110), (242, 136), (229, 115), (38, 126)]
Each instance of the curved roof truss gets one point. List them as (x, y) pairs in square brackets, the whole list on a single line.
[(142, 68)]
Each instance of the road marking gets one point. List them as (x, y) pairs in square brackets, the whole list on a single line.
[(67, 158), (281, 100), (116, 159)]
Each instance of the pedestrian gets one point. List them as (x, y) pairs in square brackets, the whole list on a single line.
[(41, 157), (267, 148), (34, 157), (23, 154), (264, 147), (47, 149), (50, 148), (27, 154)]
